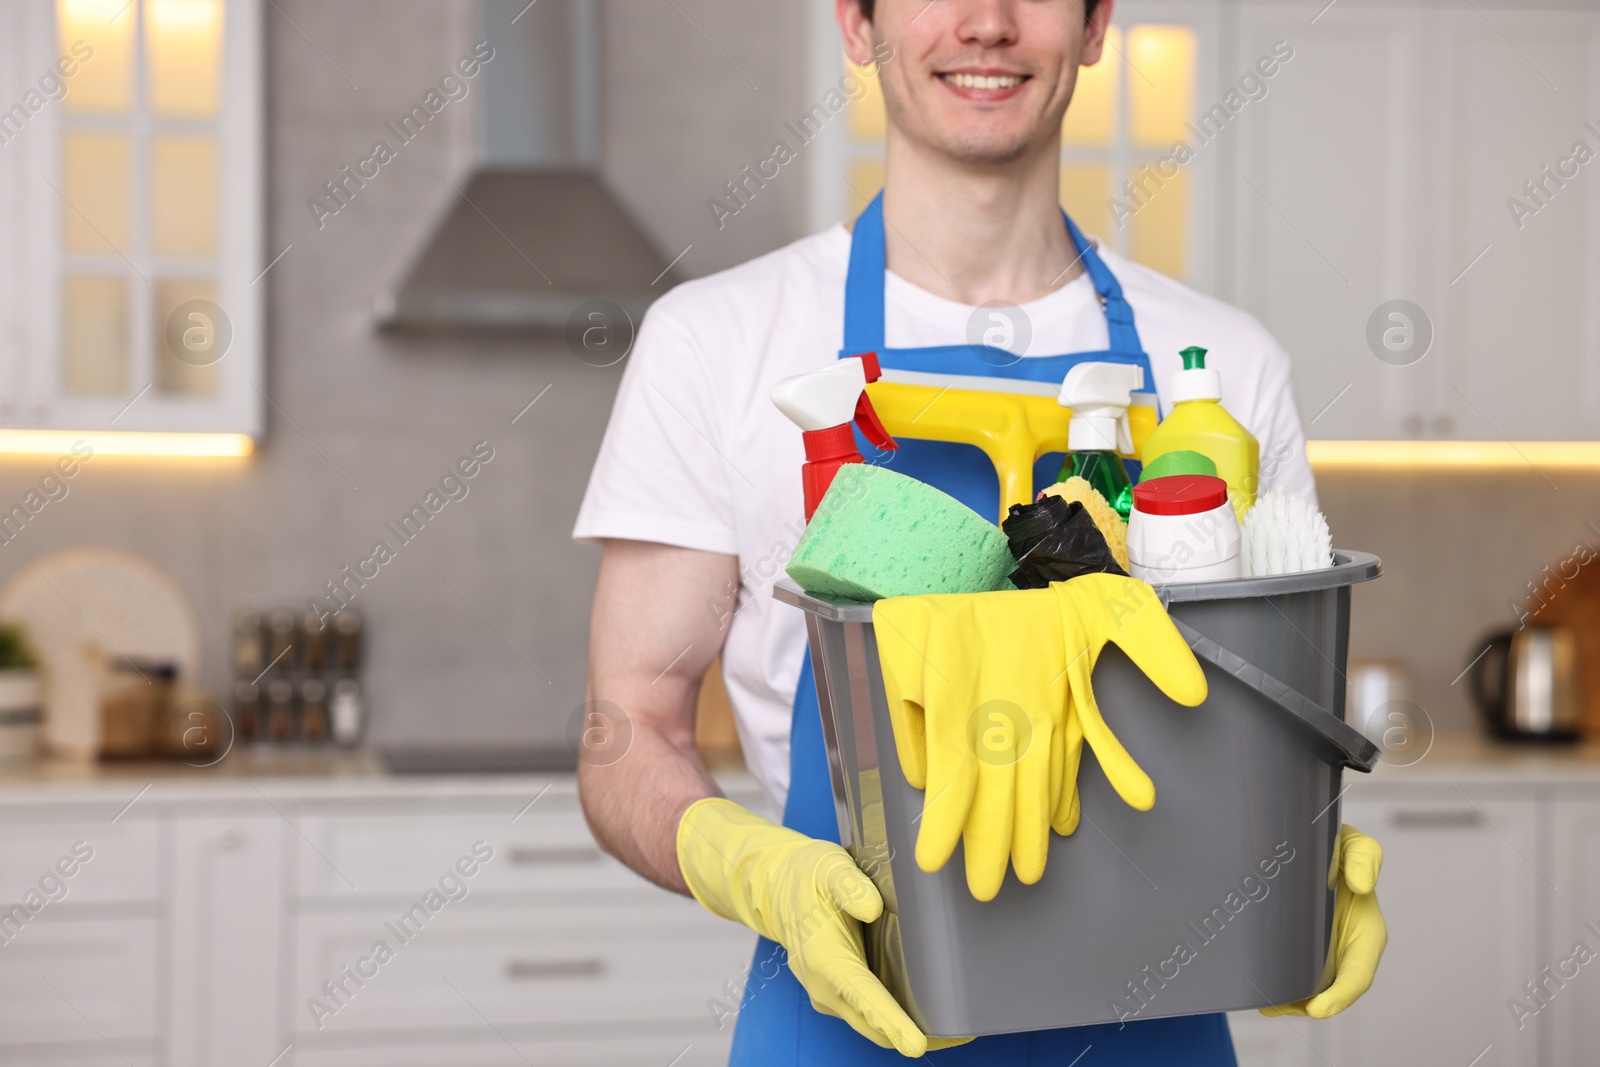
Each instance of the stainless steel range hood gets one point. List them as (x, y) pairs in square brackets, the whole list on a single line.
[(533, 234)]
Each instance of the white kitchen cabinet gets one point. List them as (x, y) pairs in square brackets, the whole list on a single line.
[(1569, 1026), (644, 958), (227, 901), (201, 927), (79, 983), (1330, 173), (1462, 892), (380, 851), (1519, 334), (1378, 169), (131, 197), (122, 864), (560, 958)]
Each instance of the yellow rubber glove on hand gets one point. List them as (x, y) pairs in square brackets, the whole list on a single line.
[(1101, 608), (806, 895), (976, 685), (1359, 932)]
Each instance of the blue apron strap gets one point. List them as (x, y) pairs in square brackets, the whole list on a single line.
[(1124, 336), (863, 287)]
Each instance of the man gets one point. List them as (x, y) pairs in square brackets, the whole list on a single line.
[(697, 498)]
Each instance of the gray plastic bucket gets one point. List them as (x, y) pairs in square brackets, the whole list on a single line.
[(1231, 864)]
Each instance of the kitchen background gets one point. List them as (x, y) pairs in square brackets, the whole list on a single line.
[(361, 423), (1368, 171)]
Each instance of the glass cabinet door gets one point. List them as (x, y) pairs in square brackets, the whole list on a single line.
[(141, 175)]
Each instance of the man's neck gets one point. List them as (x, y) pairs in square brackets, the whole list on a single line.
[(977, 234)]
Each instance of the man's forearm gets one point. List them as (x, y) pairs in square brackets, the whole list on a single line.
[(658, 623), (634, 805)]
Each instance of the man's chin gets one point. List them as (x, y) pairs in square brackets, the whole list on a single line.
[(988, 151)]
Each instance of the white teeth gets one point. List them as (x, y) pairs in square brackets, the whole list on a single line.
[(983, 81)]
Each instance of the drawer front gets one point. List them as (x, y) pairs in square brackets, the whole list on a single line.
[(651, 962), (600, 1050), (64, 980), (109, 862), (347, 855)]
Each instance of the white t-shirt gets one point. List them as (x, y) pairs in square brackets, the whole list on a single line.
[(697, 456)]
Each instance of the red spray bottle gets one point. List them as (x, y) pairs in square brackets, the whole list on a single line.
[(825, 404)]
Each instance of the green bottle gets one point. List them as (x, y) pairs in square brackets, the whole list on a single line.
[(1099, 394), (1105, 471)]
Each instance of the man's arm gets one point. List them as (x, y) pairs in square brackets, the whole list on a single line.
[(658, 623)]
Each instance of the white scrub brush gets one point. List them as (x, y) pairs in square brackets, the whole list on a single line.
[(1284, 533)]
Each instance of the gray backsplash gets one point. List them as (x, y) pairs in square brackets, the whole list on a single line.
[(1458, 551), (478, 629)]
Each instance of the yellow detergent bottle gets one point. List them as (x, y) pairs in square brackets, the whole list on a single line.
[(1199, 423)]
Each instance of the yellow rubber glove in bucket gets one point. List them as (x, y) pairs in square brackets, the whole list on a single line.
[(991, 701), (977, 692), (1101, 609)]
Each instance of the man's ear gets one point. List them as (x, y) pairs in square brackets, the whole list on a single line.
[(1094, 32), (856, 30)]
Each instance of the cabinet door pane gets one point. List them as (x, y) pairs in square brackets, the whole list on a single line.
[(186, 344), (104, 80), (1161, 226), (97, 183), (94, 335), (184, 196), (183, 39), (1161, 73)]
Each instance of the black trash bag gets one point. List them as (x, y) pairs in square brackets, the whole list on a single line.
[(1055, 541)]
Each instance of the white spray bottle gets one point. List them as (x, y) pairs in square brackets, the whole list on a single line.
[(1099, 434)]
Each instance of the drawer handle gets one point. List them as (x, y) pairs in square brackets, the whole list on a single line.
[(533, 856), (1438, 819), (538, 970)]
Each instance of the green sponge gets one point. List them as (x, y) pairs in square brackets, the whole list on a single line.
[(880, 534)]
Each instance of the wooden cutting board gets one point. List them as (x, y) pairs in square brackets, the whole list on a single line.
[(80, 607)]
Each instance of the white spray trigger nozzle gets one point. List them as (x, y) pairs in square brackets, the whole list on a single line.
[(822, 399), (1099, 395)]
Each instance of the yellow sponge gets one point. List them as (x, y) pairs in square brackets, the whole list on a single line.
[(1107, 521)]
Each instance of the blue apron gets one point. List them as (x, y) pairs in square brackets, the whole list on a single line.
[(777, 1025)]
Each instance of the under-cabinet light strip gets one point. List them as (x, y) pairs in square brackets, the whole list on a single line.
[(116, 443)]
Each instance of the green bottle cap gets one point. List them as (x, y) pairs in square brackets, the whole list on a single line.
[(1180, 462), (1194, 358)]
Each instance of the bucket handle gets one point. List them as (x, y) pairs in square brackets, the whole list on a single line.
[(1357, 750)]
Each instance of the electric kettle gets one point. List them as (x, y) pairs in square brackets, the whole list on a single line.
[(1526, 684)]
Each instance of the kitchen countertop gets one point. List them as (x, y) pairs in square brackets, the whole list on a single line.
[(280, 774), (1460, 758), (1464, 757)]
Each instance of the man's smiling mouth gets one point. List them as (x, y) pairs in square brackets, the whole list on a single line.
[(989, 82)]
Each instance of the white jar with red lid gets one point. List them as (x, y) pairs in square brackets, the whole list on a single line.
[(1183, 529)]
